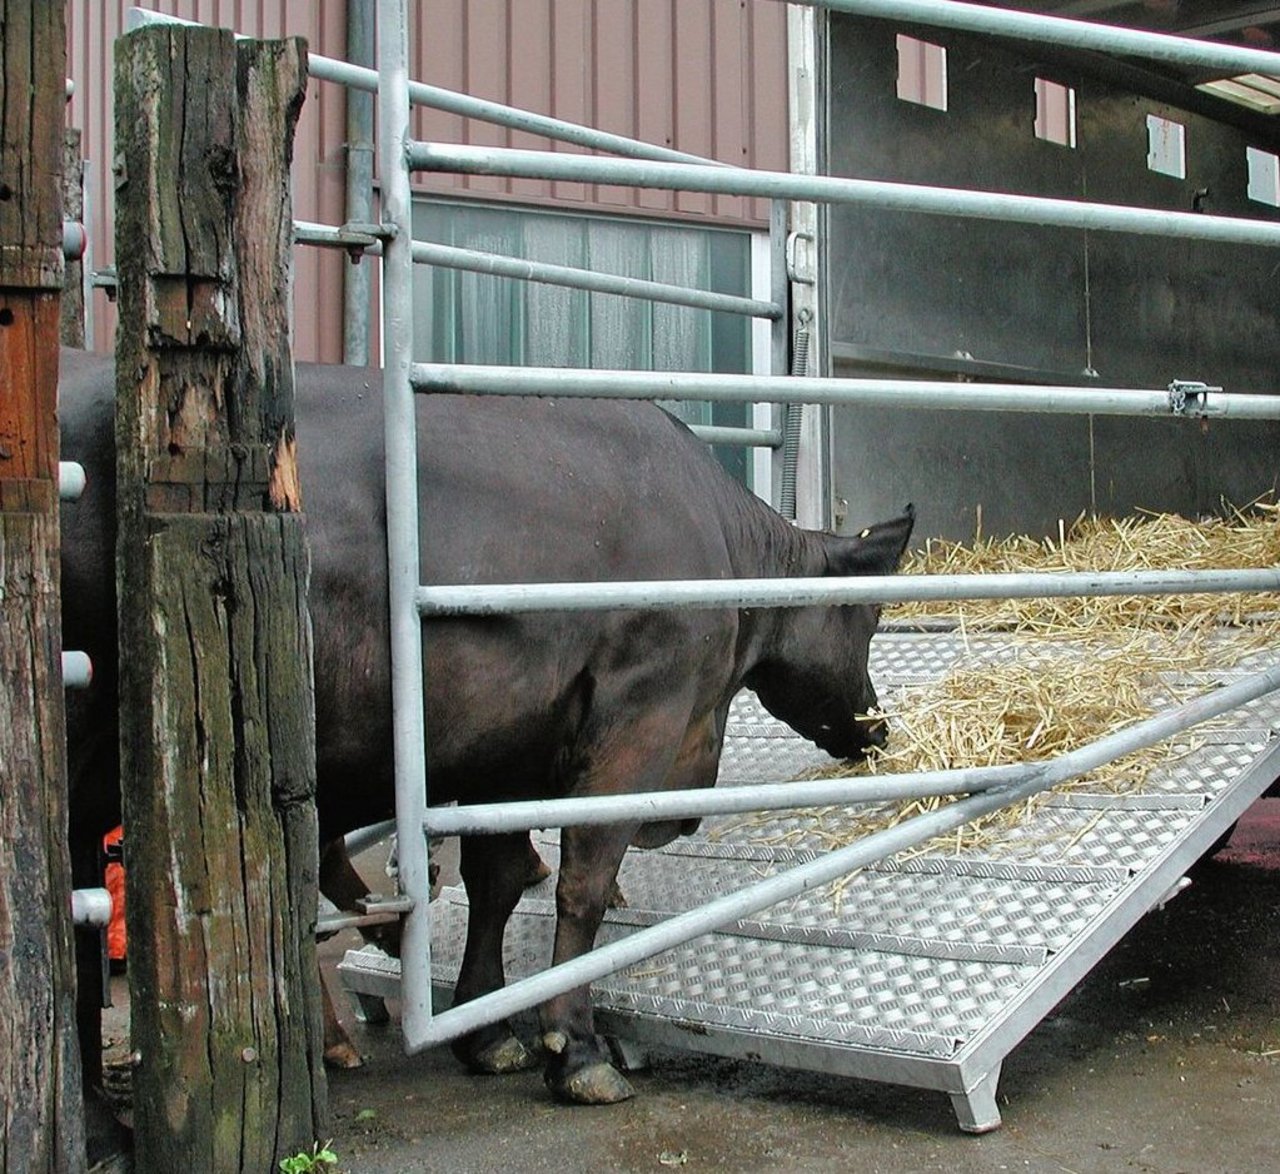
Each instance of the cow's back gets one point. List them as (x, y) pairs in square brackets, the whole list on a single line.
[(511, 490)]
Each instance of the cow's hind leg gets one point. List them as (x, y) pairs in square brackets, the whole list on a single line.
[(662, 749), (579, 1067), (495, 870)]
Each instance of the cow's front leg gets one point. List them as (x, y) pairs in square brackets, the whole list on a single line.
[(578, 1065), (495, 870)]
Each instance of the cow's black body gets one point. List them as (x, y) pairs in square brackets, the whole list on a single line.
[(538, 705)]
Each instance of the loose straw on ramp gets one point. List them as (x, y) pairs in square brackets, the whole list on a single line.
[(1080, 668)]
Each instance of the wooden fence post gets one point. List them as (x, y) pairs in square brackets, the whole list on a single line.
[(217, 706), (41, 1111)]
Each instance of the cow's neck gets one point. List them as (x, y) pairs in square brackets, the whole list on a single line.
[(767, 546)]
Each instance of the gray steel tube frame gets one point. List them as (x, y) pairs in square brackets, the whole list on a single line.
[(1059, 30), (420, 1027), (512, 598), (404, 575), (1193, 400), (900, 197), (684, 927)]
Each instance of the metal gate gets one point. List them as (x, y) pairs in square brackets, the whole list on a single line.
[(913, 1054)]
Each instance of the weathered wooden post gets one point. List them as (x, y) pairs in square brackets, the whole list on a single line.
[(41, 1115), (217, 708)]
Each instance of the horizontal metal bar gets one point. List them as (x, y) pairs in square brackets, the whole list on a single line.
[(373, 909), (364, 838), (483, 818), (332, 923), (510, 598), (898, 197), (933, 394), (1057, 30), (75, 240), (359, 77), (77, 669), (494, 265), (451, 257), (747, 437), (346, 237), (71, 480), (90, 908), (684, 927)]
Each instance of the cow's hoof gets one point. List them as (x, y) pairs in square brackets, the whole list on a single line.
[(537, 870), (500, 1058), (596, 1084), (342, 1055)]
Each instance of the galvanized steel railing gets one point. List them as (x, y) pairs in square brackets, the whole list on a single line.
[(684, 927), (988, 789), (439, 600), (897, 197)]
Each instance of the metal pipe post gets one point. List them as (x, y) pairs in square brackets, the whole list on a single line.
[(402, 508), (357, 279)]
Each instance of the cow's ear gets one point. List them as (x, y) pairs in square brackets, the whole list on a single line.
[(875, 551)]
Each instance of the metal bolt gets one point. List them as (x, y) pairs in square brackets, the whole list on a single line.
[(249, 1055)]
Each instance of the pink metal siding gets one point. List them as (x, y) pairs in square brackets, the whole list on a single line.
[(92, 27), (705, 76)]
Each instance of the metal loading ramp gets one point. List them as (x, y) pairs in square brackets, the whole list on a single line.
[(925, 970)]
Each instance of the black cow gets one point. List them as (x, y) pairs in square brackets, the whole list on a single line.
[(547, 704)]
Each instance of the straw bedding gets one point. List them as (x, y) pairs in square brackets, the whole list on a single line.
[(1078, 668)]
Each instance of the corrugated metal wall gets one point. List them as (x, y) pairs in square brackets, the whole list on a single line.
[(704, 76), (92, 27)]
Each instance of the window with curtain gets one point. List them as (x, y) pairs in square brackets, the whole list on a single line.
[(476, 318)]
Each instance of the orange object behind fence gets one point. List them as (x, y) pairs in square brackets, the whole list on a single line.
[(115, 886)]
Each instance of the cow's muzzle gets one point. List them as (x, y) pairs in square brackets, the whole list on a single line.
[(872, 733)]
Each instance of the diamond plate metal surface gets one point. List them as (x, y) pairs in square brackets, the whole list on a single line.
[(914, 957)]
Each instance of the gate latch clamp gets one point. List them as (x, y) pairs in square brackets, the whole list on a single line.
[(1189, 397)]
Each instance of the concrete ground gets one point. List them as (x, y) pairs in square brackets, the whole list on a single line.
[(1165, 1059)]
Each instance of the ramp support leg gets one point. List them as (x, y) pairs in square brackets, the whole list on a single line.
[(976, 1110), (371, 1009)]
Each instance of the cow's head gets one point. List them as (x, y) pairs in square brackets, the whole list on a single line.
[(815, 676)]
